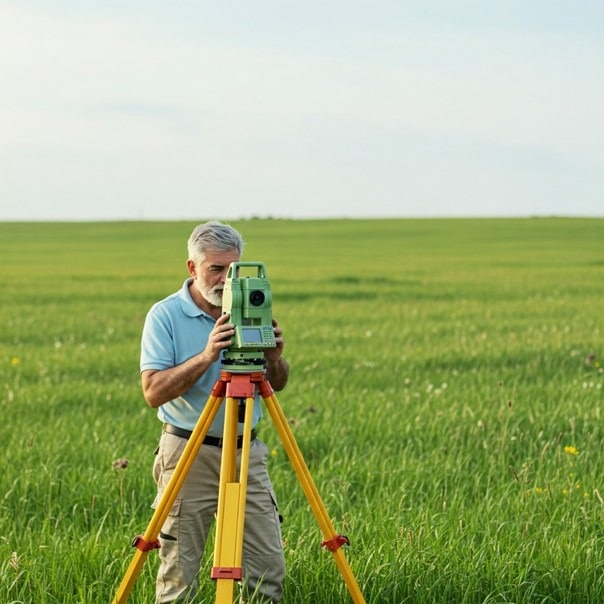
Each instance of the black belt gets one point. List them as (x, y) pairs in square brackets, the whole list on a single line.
[(208, 440)]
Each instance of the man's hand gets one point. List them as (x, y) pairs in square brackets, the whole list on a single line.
[(219, 338), (277, 368), (274, 354)]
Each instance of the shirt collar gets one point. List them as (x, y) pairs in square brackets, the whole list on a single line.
[(187, 304)]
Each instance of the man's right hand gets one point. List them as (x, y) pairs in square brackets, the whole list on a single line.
[(219, 338)]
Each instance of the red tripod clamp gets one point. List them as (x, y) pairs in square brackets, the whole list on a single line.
[(140, 543), (335, 543), (227, 572)]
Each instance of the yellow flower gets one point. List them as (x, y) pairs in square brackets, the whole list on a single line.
[(571, 450), (274, 452), (15, 361)]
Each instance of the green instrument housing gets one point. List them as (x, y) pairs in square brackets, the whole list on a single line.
[(248, 299)]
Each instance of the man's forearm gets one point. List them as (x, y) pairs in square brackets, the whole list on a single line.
[(277, 373), (159, 387)]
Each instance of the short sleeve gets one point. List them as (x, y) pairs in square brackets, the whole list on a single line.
[(157, 342)]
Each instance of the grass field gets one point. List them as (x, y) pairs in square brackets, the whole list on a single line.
[(446, 392)]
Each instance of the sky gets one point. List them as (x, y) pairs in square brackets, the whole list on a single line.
[(199, 109)]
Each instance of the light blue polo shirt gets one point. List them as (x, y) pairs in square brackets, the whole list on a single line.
[(175, 330)]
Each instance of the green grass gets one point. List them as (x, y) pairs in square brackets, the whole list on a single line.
[(446, 392)]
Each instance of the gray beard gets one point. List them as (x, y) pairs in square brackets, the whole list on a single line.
[(213, 297)]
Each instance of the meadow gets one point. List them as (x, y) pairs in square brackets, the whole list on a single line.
[(446, 392)]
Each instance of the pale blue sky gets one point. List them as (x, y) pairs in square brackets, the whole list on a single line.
[(217, 109)]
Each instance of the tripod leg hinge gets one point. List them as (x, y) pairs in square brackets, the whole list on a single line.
[(140, 543), (227, 572), (335, 543)]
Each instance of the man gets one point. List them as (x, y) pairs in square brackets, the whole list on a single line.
[(183, 341)]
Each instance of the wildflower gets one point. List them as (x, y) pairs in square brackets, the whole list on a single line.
[(274, 452), (120, 464), (117, 465), (15, 361), (570, 450), (539, 490)]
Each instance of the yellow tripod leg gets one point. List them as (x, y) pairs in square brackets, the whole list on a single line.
[(228, 550), (148, 541), (333, 541)]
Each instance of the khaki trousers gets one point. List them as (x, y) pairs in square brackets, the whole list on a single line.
[(185, 531)]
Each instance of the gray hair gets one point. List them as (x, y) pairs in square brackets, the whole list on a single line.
[(213, 236)]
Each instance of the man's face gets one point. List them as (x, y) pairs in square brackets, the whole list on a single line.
[(209, 275)]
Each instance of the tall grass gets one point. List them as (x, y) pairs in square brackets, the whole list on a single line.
[(446, 393)]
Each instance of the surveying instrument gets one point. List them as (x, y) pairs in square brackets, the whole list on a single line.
[(248, 300)]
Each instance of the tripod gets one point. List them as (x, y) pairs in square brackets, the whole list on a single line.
[(227, 569)]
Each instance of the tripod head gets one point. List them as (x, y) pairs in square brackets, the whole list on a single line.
[(247, 298)]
